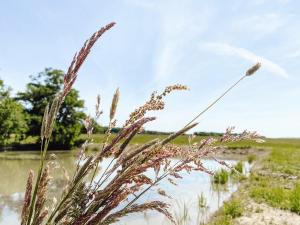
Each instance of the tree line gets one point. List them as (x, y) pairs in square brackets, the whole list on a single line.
[(21, 115)]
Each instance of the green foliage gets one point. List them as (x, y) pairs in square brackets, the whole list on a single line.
[(40, 91), (12, 120), (221, 177), (274, 193), (233, 208)]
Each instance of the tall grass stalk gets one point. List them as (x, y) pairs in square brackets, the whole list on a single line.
[(89, 200)]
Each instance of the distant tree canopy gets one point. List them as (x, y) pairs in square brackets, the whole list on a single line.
[(39, 92), (12, 119)]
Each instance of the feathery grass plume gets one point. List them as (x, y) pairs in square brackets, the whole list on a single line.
[(112, 123), (253, 69), (41, 195), (154, 205), (88, 124), (249, 72), (27, 198), (79, 58), (178, 133), (51, 117), (44, 122), (125, 132), (155, 103), (98, 112), (124, 180), (41, 217), (69, 80), (114, 104)]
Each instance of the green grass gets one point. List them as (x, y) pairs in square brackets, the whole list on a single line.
[(251, 158), (221, 177), (239, 167), (144, 138), (294, 199), (274, 186), (232, 209), (274, 180), (273, 192)]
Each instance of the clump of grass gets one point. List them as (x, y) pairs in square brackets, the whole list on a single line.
[(221, 177), (233, 208), (239, 167), (274, 196), (251, 158), (295, 199), (89, 200)]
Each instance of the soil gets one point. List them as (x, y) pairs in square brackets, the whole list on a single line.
[(262, 214)]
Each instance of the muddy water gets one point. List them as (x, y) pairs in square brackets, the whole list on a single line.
[(184, 203)]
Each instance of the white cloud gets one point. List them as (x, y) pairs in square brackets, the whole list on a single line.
[(226, 49)]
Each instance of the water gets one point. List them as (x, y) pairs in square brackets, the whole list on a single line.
[(185, 195)]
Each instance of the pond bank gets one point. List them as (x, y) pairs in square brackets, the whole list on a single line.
[(271, 194)]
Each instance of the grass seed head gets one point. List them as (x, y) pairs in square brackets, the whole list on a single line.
[(114, 104), (253, 69)]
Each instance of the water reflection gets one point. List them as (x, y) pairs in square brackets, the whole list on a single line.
[(193, 199)]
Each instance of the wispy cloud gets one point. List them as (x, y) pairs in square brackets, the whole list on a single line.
[(227, 49), (180, 24)]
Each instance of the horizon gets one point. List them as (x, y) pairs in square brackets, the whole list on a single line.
[(206, 46)]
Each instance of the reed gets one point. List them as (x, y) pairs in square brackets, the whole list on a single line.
[(89, 200)]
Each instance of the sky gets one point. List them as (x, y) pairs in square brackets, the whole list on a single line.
[(206, 45)]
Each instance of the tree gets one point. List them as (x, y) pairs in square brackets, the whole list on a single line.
[(12, 119), (39, 92)]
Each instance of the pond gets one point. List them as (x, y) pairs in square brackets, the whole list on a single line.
[(193, 199)]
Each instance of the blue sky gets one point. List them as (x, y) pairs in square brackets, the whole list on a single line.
[(206, 45)]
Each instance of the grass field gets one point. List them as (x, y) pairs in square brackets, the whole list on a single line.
[(274, 180), (143, 138)]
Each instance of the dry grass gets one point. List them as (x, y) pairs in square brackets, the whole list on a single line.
[(89, 199)]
